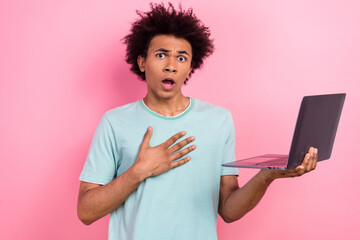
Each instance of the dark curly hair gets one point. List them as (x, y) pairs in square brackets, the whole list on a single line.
[(162, 20)]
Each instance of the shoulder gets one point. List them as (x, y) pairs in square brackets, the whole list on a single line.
[(211, 109), (122, 112)]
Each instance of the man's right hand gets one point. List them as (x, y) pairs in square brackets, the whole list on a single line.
[(153, 161)]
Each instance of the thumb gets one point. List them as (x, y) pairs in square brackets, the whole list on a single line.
[(147, 137)]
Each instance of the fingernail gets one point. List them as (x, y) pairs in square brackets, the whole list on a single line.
[(149, 128), (183, 133), (312, 150), (192, 138), (308, 156), (316, 150), (193, 147)]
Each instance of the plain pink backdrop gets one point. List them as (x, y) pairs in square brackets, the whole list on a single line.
[(62, 66)]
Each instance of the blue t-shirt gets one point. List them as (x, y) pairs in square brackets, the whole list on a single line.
[(180, 204)]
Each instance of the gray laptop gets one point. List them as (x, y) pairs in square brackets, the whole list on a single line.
[(316, 126)]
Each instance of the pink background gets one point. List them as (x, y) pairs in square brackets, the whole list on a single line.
[(62, 66)]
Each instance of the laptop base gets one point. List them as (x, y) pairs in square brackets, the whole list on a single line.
[(266, 161)]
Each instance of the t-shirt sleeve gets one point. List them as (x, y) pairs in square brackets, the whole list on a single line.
[(100, 165), (229, 151)]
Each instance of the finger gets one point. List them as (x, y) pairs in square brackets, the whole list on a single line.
[(305, 161), (295, 172), (173, 139), (181, 153), (147, 137), (316, 155), (310, 160), (288, 173), (299, 170), (180, 162), (181, 144), (313, 160)]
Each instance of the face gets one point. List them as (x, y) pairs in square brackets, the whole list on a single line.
[(167, 65)]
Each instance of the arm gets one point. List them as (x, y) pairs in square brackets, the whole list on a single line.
[(95, 200), (235, 202)]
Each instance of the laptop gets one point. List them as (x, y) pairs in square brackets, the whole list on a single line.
[(316, 126)]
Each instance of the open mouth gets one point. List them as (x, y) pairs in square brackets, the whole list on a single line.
[(168, 83)]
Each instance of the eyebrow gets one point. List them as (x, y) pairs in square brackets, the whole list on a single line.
[(167, 50)]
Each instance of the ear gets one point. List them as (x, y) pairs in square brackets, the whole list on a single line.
[(188, 75), (141, 63)]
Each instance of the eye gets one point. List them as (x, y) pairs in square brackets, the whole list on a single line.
[(182, 59), (160, 55)]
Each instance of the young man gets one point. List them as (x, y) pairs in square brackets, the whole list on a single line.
[(163, 185)]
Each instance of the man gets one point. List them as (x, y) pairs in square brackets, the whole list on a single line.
[(162, 185)]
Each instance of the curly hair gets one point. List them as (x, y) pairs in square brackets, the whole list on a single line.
[(168, 21)]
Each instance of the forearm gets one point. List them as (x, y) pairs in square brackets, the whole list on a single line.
[(100, 201), (96, 201), (236, 202), (244, 199)]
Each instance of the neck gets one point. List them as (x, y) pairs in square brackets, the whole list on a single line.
[(167, 107)]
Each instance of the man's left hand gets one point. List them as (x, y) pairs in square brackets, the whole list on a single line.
[(308, 164)]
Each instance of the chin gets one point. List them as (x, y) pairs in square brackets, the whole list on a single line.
[(167, 95)]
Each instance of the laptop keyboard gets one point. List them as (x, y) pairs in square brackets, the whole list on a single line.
[(272, 163)]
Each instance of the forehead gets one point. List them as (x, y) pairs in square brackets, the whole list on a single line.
[(169, 42)]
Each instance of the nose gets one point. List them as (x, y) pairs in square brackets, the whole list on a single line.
[(170, 66)]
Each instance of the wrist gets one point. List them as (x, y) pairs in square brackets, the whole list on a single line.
[(267, 176), (138, 173)]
